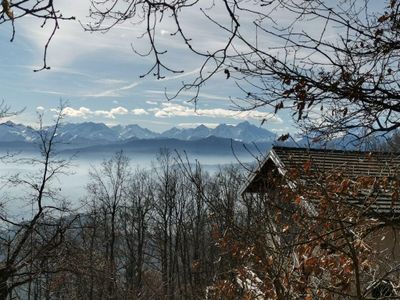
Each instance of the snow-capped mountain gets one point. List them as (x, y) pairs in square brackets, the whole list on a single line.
[(11, 132), (87, 131), (97, 133), (187, 133), (133, 131), (244, 132)]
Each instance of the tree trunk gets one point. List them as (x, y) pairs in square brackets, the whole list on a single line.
[(3, 289), (4, 276)]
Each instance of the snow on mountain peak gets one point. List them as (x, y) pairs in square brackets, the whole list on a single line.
[(98, 132)]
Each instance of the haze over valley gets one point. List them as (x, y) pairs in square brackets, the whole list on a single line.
[(88, 144)]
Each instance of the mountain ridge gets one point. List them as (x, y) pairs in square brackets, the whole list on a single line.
[(89, 132)]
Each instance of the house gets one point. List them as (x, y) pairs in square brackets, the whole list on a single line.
[(356, 189), (313, 165)]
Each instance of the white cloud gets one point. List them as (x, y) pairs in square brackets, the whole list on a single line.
[(111, 113), (84, 112), (119, 111), (139, 111), (177, 110)]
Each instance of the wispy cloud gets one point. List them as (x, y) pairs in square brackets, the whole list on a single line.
[(128, 87), (109, 93), (71, 42), (177, 110), (205, 96), (109, 81), (115, 92), (66, 70), (151, 102), (200, 96), (48, 92), (182, 75)]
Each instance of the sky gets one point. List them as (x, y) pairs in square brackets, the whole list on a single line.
[(98, 76)]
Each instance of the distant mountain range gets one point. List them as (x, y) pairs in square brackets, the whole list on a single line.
[(99, 132), (97, 137), (90, 138)]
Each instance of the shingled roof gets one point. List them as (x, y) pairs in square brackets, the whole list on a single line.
[(354, 164)]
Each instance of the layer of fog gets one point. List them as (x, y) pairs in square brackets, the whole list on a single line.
[(69, 188)]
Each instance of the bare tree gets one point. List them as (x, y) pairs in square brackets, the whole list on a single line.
[(28, 246), (165, 222), (107, 193), (332, 64), (135, 225)]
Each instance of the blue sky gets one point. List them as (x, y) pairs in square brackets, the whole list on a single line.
[(98, 75)]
